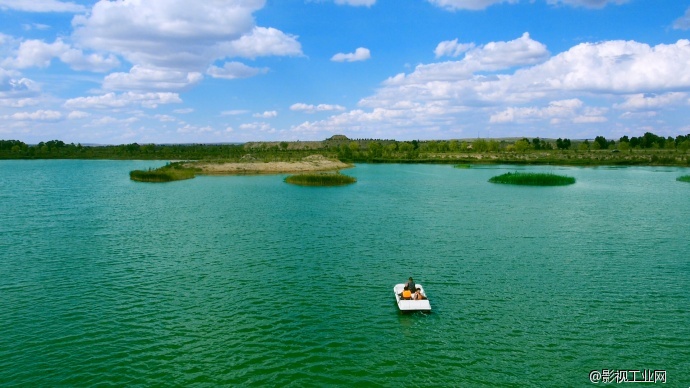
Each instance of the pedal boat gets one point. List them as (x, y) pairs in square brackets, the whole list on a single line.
[(411, 305)]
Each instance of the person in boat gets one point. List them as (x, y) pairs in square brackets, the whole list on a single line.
[(406, 294), (418, 295), (410, 284)]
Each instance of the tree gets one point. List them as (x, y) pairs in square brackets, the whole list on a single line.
[(563, 144), (522, 145), (603, 143)]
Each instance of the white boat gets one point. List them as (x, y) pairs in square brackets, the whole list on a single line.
[(411, 305)]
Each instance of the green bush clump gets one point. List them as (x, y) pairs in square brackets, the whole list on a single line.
[(684, 178), (336, 179), (533, 179), (463, 166), (168, 173)]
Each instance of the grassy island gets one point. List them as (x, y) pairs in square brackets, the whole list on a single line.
[(684, 178), (168, 173), (533, 179), (336, 179)]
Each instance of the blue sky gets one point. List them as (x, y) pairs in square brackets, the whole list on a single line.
[(177, 71)]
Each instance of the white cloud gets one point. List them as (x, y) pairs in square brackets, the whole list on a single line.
[(452, 48), (234, 70), (183, 111), (39, 115), (475, 5), (178, 34), (612, 67), (36, 53), (508, 82), (453, 5), (366, 3), (555, 109), (587, 3), (258, 127), (650, 101), (123, 100), (150, 78), (309, 108), (266, 115), (361, 54), (683, 22), (263, 42), (76, 114), (234, 112), (41, 6), (14, 87)]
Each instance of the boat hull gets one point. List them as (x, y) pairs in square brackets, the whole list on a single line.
[(410, 305)]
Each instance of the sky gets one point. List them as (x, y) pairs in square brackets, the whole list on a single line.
[(221, 71)]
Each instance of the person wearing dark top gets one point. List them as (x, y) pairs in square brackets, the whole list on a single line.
[(410, 284)]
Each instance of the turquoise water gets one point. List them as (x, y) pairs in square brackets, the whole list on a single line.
[(248, 281)]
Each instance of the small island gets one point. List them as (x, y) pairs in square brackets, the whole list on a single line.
[(533, 179), (247, 166), (336, 179), (684, 178)]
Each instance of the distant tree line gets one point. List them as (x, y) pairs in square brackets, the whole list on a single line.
[(337, 146)]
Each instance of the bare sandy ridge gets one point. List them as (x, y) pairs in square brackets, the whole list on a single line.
[(313, 163)]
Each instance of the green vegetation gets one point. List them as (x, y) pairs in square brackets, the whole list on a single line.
[(646, 150), (533, 179), (316, 179), (684, 178), (168, 173), (464, 165)]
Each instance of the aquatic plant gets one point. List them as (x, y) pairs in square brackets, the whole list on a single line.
[(465, 165), (336, 179), (533, 179), (684, 178), (168, 173)]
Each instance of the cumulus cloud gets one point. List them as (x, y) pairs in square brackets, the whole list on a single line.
[(587, 3), (41, 6), (12, 85), (77, 114), (554, 111), (234, 70), (177, 34), (36, 53), (123, 100), (309, 108), (361, 54), (144, 78), (366, 3), (452, 48), (475, 5), (39, 115), (652, 101), (261, 42), (266, 115), (519, 82), (453, 5), (683, 22)]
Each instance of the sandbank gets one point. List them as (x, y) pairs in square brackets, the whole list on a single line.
[(313, 163)]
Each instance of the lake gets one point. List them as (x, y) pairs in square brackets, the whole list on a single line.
[(249, 281)]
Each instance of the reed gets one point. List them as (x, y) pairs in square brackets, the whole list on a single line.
[(684, 178), (533, 179), (168, 173), (336, 179)]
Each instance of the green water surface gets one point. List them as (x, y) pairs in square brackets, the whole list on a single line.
[(248, 281)]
